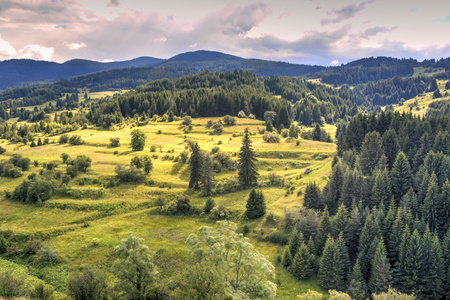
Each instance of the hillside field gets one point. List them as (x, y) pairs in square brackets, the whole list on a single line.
[(85, 227)]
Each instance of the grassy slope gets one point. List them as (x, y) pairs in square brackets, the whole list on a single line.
[(86, 230)]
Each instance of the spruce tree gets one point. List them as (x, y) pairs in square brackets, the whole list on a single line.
[(444, 213), (433, 85), (348, 189), (432, 204), (412, 263), (322, 231), (335, 188), (369, 233), (295, 240), (247, 163), (195, 163), (400, 176), (342, 253), (433, 274), (286, 258), (381, 191), (311, 199), (357, 288), (371, 151), (208, 183), (341, 223), (301, 266), (390, 146), (330, 266), (256, 206), (381, 277)]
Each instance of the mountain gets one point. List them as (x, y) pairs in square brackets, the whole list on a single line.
[(17, 72)]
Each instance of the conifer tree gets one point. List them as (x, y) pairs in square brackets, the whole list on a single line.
[(256, 206), (301, 266), (400, 176), (444, 213), (269, 126), (340, 223), (433, 275), (390, 146), (348, 188), (432, 204), (329, 266), (311, 199), (208, 183), (335, 188), (371, 151), (357, 288), (295, 240), (247, 168), (411, 262), (323, 230), (195, 163), (370, 232), (433, 85), (381, 277), (381, 191), (286, 258), (342, 252), (340, 145)]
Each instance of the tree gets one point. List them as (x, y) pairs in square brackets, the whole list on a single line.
[(331, 267), (390, 146), (371, 151), (269, 126), (208, 183), (432, 204), (295, 241), (311, 199), (323, 230), (196, 168), (256, 206), (317, 133), (138, 138), (302, 265), (88, 284), (400, 176), (248, 172), (137, 274), (357, 288), (13, 284), (286, 257), (433, 85), (114, 142), (381, 191), (246, 271), (82, 163), (294, 131), (229, 120), (381, 277)]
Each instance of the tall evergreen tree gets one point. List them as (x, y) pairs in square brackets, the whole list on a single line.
[(342, 252), (400, 176), (381, 191), (335, 188), (195, 163), (286, 258), (256, 206), (433, 85), (341, 224), (369, 233), (311, 199), (331, 267), (248, 173), (295, 241), (323, 230), (390, 146), (371, 151), (412, 263), (444, 213), (381, 277), (348, 188), (433, 274), (357, 288), (302, 265), (432, 204), (208, 183)]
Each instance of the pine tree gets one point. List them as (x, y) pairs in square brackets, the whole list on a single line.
[(247, 168), (330, 266), (295, 240), (357, 288), (335, 188), (370, 232), (381, 191), (348, 189), (444, 213), (400, 176), (208, 183), (381, 270), (390, 146), (412, 261), (341, 223), (317, 133), (433, 274), (301, 266), (323, 230), (340, 145), (269, 126), (432, 204), (342, 252), (433, 85), (256, 206), (371, 151), (286, 258), (311, 199), (195, 163)]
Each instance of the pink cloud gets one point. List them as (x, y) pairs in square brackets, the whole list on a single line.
[(283, 15)]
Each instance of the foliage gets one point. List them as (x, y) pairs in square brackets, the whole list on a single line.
[(248, 173), (129, 174), (13, 284), (75, 140), (256, 206), (271, 137), (245, 271), (114, 142), (138, 138), (88, 283)]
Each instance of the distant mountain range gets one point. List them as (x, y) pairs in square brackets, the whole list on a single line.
[(20, 72), (129, 74)]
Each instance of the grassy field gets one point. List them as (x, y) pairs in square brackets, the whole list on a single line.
[(84, 230)]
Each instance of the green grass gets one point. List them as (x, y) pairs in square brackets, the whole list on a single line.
[(85, 230)]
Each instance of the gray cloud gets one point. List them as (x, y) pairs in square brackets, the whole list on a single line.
[(373, 31), (113, 3), (339, 15)]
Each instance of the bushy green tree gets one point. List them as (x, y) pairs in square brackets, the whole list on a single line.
[(138, 138), (88, 284), (371, 151), (248, 172), (400, 176), (256, 206), (195, 164), (381, 277)]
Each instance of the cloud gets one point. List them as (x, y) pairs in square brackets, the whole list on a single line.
[(36, 52), (283, 15), (113, 3), (7, 51), (373, 31), (339, 15), (443, 20), (334, 62), (107, 60), (162, 39), (74, 46)]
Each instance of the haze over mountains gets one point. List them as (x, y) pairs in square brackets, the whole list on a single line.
[(20, 72)]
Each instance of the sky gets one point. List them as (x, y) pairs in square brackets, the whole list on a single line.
[(324, 32)]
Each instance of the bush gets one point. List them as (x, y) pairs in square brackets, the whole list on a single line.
[(241, 114), (187, 120), (89, 283), (180, 206), (75, 140), (12, 284), (42, 291), (278, 237), (284, 133), (114, 142), (245, 230), (129, 174), (271, 137), (47, 256), (32, 247), (209, 205), (218, 213), (2, 150), (229, 120), (63, 139)]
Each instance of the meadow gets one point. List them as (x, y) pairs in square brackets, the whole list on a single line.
[(85, 226)]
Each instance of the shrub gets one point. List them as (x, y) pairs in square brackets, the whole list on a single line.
[(278, 237), (2, 150), (215, 149), (114, 142), (129, 174), (209, 205), (88, 283), (160, 202), (180, 206), (218, 213), (187, 120), (13, 284), (32, 247), (47, 255), (218, 128), (75, 140), (229, 120), (63, 139), (271, 137), (241, 114), (245, 230), (65, 158), (284, 133), (42, 291)]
